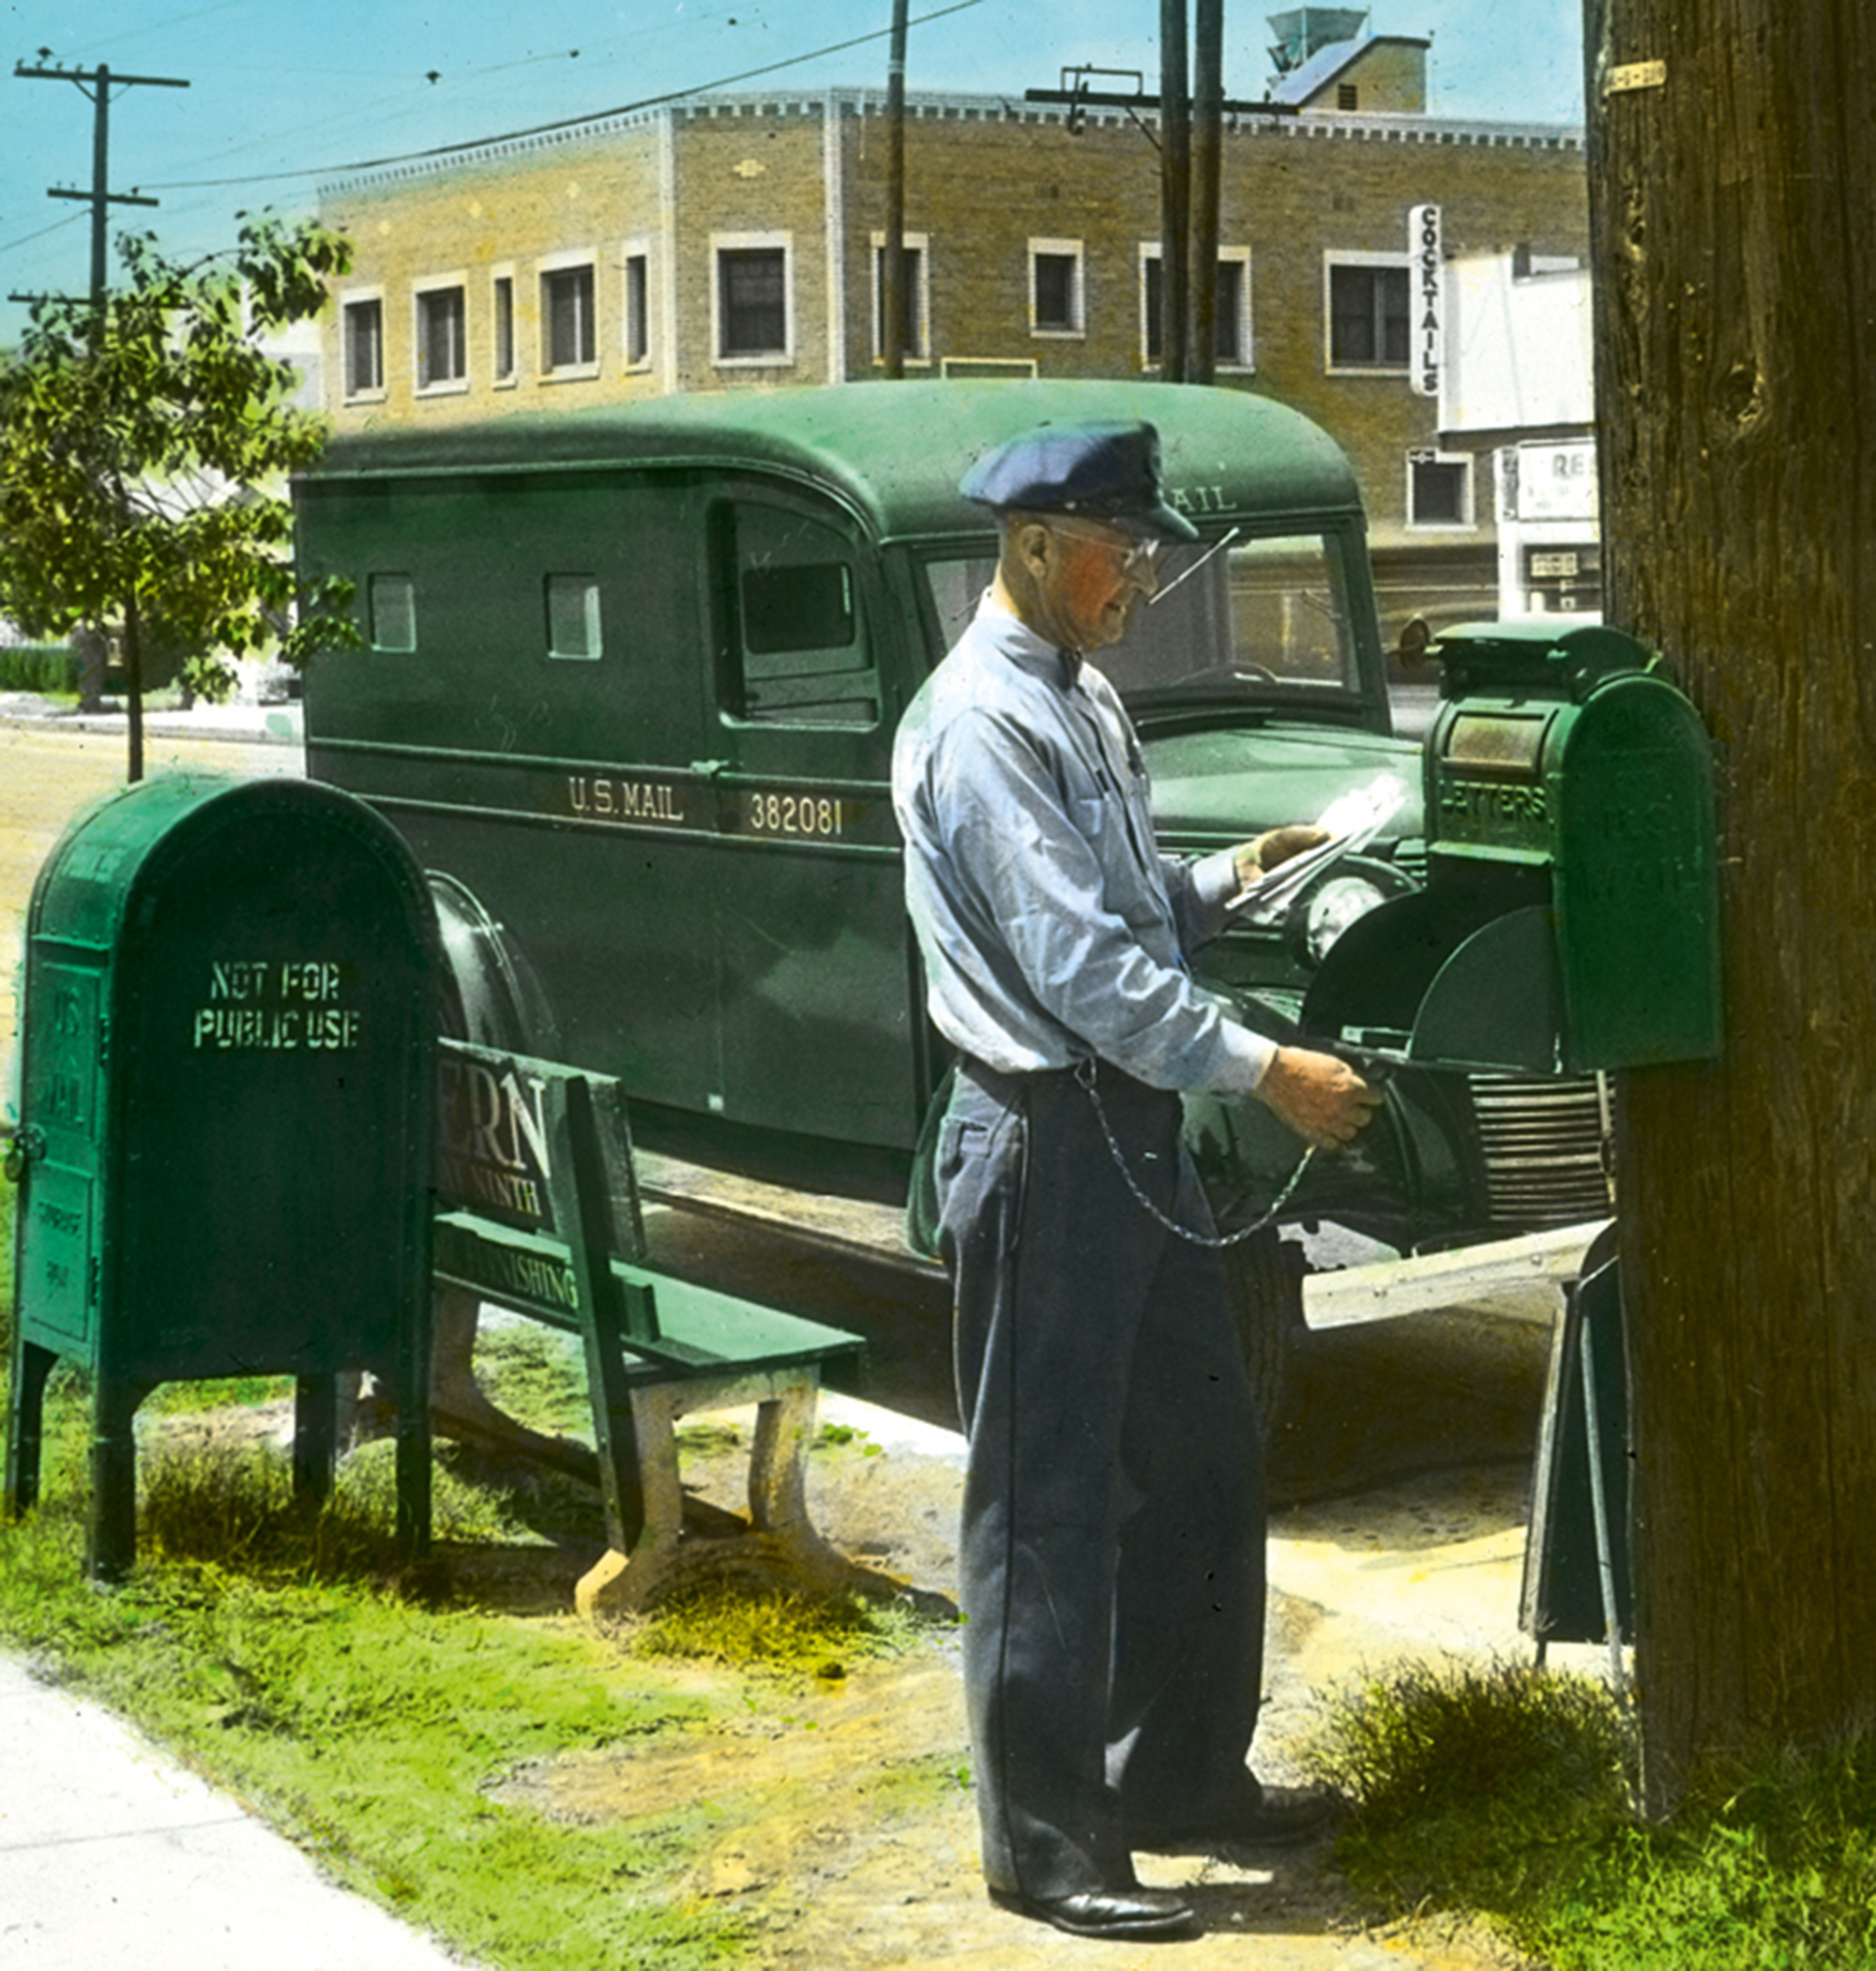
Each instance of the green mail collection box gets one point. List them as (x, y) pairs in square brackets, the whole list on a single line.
[(1570, 917), (227, 1026)]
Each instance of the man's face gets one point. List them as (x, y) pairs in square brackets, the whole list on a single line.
[(1090, 580)]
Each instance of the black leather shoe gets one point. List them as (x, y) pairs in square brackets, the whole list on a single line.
[(1281, 1817), (1134, 1916)]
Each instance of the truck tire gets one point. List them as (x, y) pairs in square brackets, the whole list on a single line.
[(1263, 1286)]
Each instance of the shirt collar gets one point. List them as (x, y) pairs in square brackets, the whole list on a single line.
[(1023, 646)]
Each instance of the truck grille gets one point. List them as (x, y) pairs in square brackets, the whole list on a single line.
[(1544, 1142)]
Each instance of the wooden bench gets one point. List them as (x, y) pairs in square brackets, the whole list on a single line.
[(540, 1212)]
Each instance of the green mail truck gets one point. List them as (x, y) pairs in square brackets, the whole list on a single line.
[(629, 685)]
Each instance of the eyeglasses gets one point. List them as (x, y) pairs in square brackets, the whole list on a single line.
[(1137, 557)]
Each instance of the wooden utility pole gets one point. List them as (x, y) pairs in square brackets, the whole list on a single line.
[(1208, 96), (97, 84), (894, 314), (1176, 169), (1732, 181)]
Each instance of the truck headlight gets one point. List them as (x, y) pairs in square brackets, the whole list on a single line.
[(1331, 909)]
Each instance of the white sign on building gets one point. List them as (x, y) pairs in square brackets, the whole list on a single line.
[(1428, 297), (1556, 481)]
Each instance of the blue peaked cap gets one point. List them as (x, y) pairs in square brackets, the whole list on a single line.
[(1108, 472)]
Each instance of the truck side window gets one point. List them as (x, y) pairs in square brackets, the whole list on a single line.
[(393, 607), (573, 616), (800, 648)]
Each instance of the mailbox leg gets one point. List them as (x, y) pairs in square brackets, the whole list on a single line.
[(112, 1547), (32, 1365)]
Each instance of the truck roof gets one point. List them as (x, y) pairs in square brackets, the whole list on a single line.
[(893, 451)]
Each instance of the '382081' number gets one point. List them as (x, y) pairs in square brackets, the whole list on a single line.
[(793, 814)]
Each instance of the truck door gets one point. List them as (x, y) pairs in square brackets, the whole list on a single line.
[(810, 676)]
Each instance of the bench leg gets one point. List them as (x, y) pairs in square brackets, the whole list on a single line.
[(623, 1581), (779, 1476), (778, 1470)]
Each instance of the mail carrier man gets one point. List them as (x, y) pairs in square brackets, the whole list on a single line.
[(1112, 1568)]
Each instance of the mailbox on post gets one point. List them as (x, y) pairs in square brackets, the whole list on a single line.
[(1570, 919), (227, 1028)]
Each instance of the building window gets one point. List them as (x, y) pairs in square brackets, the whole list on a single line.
[(504, 310), (569, 340), (1439, 488), (638, 310), (364, 347), (442, 338), (1232, 318), (1348, 97), (752, 302), (917, 346), (572, 616), (1056, 299), (1368, 320)]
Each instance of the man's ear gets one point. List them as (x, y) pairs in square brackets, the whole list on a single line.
[(1029, 541)]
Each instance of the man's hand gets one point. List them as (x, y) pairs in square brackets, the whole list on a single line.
[(1274, 846), (1323, 1098)]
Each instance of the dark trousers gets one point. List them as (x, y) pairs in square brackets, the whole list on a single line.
[(1111, 1558)]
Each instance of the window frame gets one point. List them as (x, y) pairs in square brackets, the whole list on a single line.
[(424, 294), (1150, 254), (1430, 455), (390, 593), (556, 584), (635, 307), (767, 359), (502, 318), (1334, 261), (1074, 251), (548, 272), (918, 350), (349, 305), (794, 694)]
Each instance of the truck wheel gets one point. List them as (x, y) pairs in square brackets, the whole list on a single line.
[(1264, 1279)]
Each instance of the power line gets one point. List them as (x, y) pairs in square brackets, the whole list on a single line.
[(565, 123)]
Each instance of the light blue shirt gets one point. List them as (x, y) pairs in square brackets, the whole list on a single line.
[(1051, 925)]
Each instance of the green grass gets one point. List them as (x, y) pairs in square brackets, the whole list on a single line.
[(1506, 1793), (297, 1661), (367, 1705)]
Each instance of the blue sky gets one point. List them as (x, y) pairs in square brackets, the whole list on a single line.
[(282, 94)]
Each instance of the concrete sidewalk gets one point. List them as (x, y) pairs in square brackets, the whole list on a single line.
[(256, 724), (112, 1853)]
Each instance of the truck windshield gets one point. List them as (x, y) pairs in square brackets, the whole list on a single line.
[(1234, 619)]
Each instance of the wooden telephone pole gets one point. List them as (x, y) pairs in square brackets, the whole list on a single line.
[(97, 84), (1733, 182)]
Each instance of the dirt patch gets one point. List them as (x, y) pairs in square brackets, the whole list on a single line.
[(833, 1809), (842, 1829)]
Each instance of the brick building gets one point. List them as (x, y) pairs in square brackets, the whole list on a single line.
[(736, 242)]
